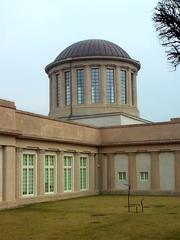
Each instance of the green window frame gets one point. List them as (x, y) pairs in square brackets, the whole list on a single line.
[(83, 173), (28, 174), (49, 173), (68, 173)]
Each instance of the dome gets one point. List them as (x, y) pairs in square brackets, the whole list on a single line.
[(92, 48)]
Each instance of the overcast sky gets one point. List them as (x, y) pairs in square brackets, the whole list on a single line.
[(34, 32)]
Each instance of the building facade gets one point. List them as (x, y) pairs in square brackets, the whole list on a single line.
[(45, 158)]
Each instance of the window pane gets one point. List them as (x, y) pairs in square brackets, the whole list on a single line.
[(80, 87), (68, 88), (95, 85), (123, 87), (110, 85), (57, 90)]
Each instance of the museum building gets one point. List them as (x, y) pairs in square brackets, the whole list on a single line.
[(93, 141)]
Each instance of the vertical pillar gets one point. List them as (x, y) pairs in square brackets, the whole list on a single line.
[(129, 95), (177, 170), (104, 173), (62, 88), (50, 93), (135, 89), (1, 172), (132, 170), (53, 79), (117, 84), (155, 177), (74, 86), (97, 172), (103, 83), (60, 181), (92, 172), (88, 85), (9, 193), (40, 171), (19, 152), (76, 172), (111, 171)]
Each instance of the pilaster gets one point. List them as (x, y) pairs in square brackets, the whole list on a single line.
[(60, 174), (88, 85), (103, 83), (76, 172), (177, 170), (117, 84), (9, 193), (155, 176), (91, 172), (19, 152), (40, 171), (111, 171), (132, 171)]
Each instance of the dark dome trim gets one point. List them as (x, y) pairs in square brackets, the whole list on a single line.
[(54, 64)]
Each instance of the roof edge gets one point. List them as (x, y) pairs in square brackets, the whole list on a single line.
[(69, 60)]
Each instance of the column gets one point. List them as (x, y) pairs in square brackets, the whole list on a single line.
[(60, 181), (135, 89), (117, 84), (40, 171), (92, 172), (62, 88), (104, 173), (155, 177), (50, 93), (74, 86), (103, 83), (129, 95), (53, 79), (87, 85), (97, 172), (9, 181), (111, 171), (19, 152), (1, 172), (132, 170), (177, 170), (77, 172)]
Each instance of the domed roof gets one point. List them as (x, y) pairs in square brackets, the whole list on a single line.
[(92, 48)]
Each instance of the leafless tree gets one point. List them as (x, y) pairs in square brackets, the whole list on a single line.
[(166, 19)]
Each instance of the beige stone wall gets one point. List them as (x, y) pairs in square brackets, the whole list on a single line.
[(147, 146), (1, 173), (143, 164), (167, 171), (121, 165)]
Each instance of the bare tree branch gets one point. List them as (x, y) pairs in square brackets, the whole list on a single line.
[(166, 19)]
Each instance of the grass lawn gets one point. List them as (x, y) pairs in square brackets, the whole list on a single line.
[(99, 217)]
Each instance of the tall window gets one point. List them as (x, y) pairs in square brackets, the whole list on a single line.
[(132, 87), (67, 88), (110, 85), (49, 168), (95, 85), (123, 87), (83, 173), (80, 87), (57, 90), (67, 173), (28, 174)]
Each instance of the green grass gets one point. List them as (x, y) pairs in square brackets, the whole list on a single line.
[(99, 217)]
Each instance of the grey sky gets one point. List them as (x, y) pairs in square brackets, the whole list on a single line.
[(33, 33)]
